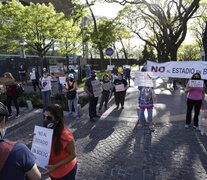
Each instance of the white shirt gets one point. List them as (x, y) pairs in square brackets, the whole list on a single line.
[(46, 83)]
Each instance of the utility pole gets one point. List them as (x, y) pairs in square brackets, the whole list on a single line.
[(204, 40)]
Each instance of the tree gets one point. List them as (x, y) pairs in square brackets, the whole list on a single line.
[(41, 27), (162, 24), (189, 52)]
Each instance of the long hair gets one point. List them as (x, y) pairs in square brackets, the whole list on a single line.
[(196, 74), (9, 75), (57, 111)]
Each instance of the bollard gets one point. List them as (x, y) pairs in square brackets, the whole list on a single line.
[(79, 110), (29, 105)]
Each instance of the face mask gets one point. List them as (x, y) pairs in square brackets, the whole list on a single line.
[(49, 122), (3, 132)]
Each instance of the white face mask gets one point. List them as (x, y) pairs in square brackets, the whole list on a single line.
[(3, 132)]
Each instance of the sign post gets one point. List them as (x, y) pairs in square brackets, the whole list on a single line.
[(109, 52)]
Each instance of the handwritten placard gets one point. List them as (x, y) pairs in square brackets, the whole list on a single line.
[(41, 145), (195, 83), (143, 79), (119, 88), (62, 80), (110, 67), (96, 88)]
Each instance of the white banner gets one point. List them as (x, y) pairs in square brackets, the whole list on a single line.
[(41, 145), (178, 69), (143, 79), (195, 83)]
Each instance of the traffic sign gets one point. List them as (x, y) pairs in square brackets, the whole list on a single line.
[(109, 51)]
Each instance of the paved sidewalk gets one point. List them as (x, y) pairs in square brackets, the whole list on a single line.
[(111, 149)]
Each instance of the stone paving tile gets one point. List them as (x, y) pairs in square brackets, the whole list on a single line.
[(112, 149)]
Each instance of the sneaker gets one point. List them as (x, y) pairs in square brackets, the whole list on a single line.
[(92, 120), (96, 116), (187, 126), (17, 116), (117, 107), (196, 128)]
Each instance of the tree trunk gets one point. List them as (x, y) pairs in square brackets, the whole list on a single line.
[(204, 39)]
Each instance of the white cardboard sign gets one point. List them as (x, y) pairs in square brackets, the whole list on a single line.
[(41, 145), (62, 80), (143, 79), (96, 88), (195, 83), (119, 88), (110, 67)]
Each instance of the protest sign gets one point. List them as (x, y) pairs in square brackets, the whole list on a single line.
[(178, 69), (110, 67), (119, 88), (96, 88), (143, 79), (62, 80), (127, 66), (195, 83), (32, 76), (41, 145)]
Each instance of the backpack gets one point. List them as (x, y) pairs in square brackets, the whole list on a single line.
[(5, 149)]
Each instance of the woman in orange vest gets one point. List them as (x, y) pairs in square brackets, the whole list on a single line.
[(62, 163)]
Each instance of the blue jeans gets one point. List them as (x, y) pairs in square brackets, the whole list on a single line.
[(46, 99), (141, 114), (73, 102)]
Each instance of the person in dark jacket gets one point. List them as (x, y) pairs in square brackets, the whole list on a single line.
[(34, 76), (120, 87), (11, 93)]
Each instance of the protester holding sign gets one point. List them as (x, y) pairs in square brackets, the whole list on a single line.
[(195, 98), (62, 163), (11, 93), (146, 100), (92, 98), (46, 88), (16, 160), (106, 90), (34, 76), (120, 87), (72, 95)]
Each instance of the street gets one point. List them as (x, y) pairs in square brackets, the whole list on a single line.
[(111, 149)]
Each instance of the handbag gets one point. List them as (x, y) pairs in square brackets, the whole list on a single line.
[(71, 94), (19, 90)]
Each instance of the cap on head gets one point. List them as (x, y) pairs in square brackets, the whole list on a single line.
[(3, 110), (71, 75), (93, 72)]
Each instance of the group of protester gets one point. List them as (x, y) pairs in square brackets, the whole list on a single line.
[(63, 162)]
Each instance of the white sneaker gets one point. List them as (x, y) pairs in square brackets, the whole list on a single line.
[(186, 126), (17, 116), (196, 128)]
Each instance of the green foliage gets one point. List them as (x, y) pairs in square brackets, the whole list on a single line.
[(36, 100), (189, 52)]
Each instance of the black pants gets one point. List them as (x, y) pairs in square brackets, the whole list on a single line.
[(92, 106), (120, 97), (104, 99), (197, 105), (9, 103), (35, 85)]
